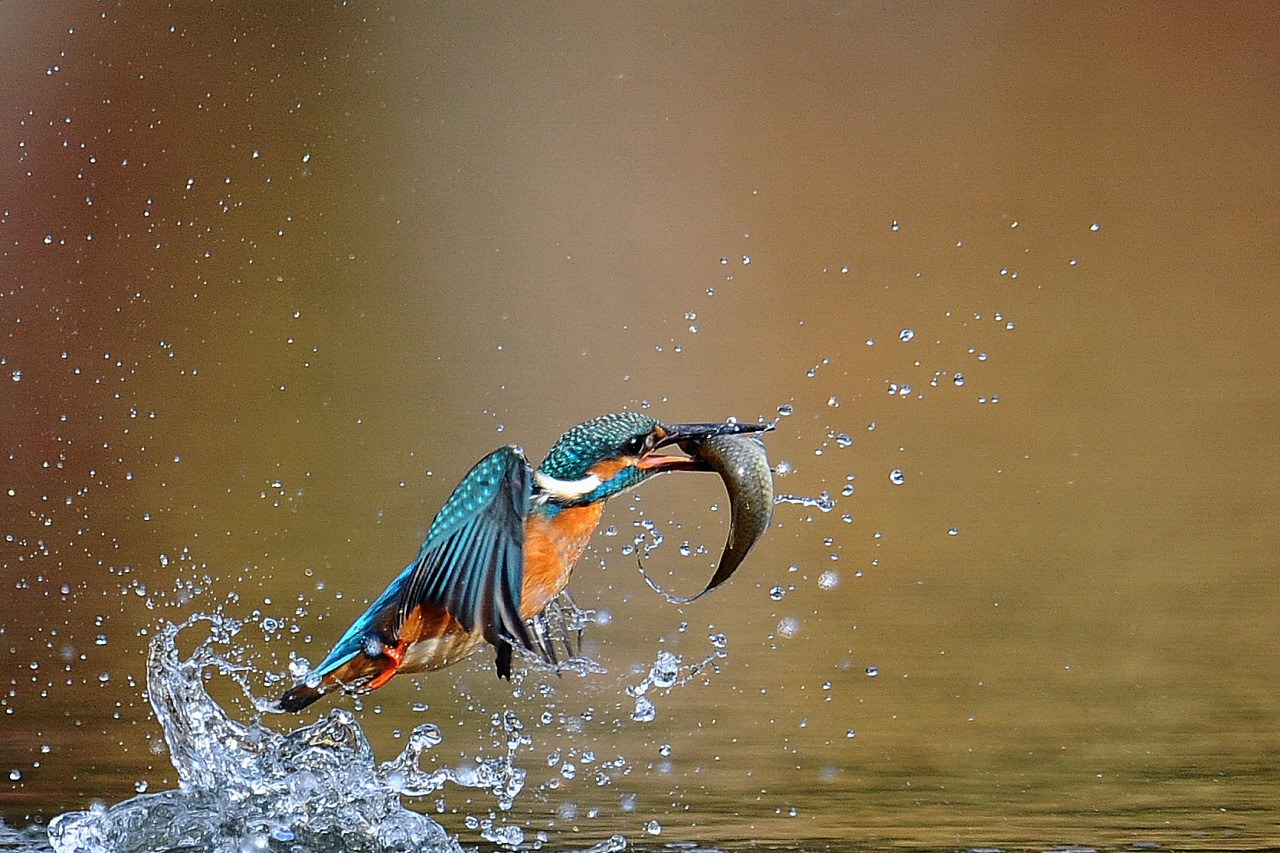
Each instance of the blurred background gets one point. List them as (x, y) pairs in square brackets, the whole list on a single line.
[(275, 276)]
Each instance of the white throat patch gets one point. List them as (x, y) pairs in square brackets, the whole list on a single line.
[(566, 490)]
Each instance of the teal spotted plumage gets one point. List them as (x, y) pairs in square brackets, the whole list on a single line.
[(471, 561), (598, 439), (477, 490)]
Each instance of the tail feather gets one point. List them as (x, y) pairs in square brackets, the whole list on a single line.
[(358, 674), (299, 696)]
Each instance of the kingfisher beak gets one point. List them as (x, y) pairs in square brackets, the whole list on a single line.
[(669, 434)]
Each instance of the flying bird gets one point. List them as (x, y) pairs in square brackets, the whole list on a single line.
[(504, 543)]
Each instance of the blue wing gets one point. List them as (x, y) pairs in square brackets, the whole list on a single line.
[(472, 561), (471, 565)]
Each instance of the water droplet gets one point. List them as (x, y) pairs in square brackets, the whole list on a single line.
[(843, 440), (896, 477), (958, 379), (850, 734), (504, 836), (788, 627), (653, 827), (777, 593), (873, 671), (665, 670), (828, 580), (906, 335), (15, 775), (644, 711), (955, 531), (785, 410), (1094, 227), (894, 226)]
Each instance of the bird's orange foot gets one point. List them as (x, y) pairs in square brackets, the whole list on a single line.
[(396, 655)]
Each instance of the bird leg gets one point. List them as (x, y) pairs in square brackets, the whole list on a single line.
[(396, 654)]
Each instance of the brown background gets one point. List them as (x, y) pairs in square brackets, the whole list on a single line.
[(275, 276)]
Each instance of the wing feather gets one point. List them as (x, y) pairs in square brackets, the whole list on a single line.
[(472, 562)]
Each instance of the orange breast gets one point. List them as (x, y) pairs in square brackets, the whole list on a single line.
[(433, 639), (551, 547)]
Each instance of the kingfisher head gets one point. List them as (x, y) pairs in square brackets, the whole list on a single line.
[(612, 453)]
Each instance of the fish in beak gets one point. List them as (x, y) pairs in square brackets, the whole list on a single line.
[(737, 453)]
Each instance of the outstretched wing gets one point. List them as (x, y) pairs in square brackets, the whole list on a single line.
[(472, 562)]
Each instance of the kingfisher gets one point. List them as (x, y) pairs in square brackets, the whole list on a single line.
[(504, 543)]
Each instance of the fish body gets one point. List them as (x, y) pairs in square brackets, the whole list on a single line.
[(743, 465)]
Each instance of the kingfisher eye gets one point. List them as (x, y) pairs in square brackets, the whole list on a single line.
[(634, 446)]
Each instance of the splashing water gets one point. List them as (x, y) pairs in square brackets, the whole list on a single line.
[(668, 672), (823, 502), (246, 787), (560, 626)]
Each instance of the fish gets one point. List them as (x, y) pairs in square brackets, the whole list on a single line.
[(743, 465)]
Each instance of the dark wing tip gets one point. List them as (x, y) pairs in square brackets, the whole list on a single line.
[(503, 662)]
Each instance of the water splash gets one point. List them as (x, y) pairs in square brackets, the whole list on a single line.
[(823, 502), (559, 628), (246, 787), (670, 671)]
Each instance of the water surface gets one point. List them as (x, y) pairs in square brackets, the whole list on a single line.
[(275, 277)]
